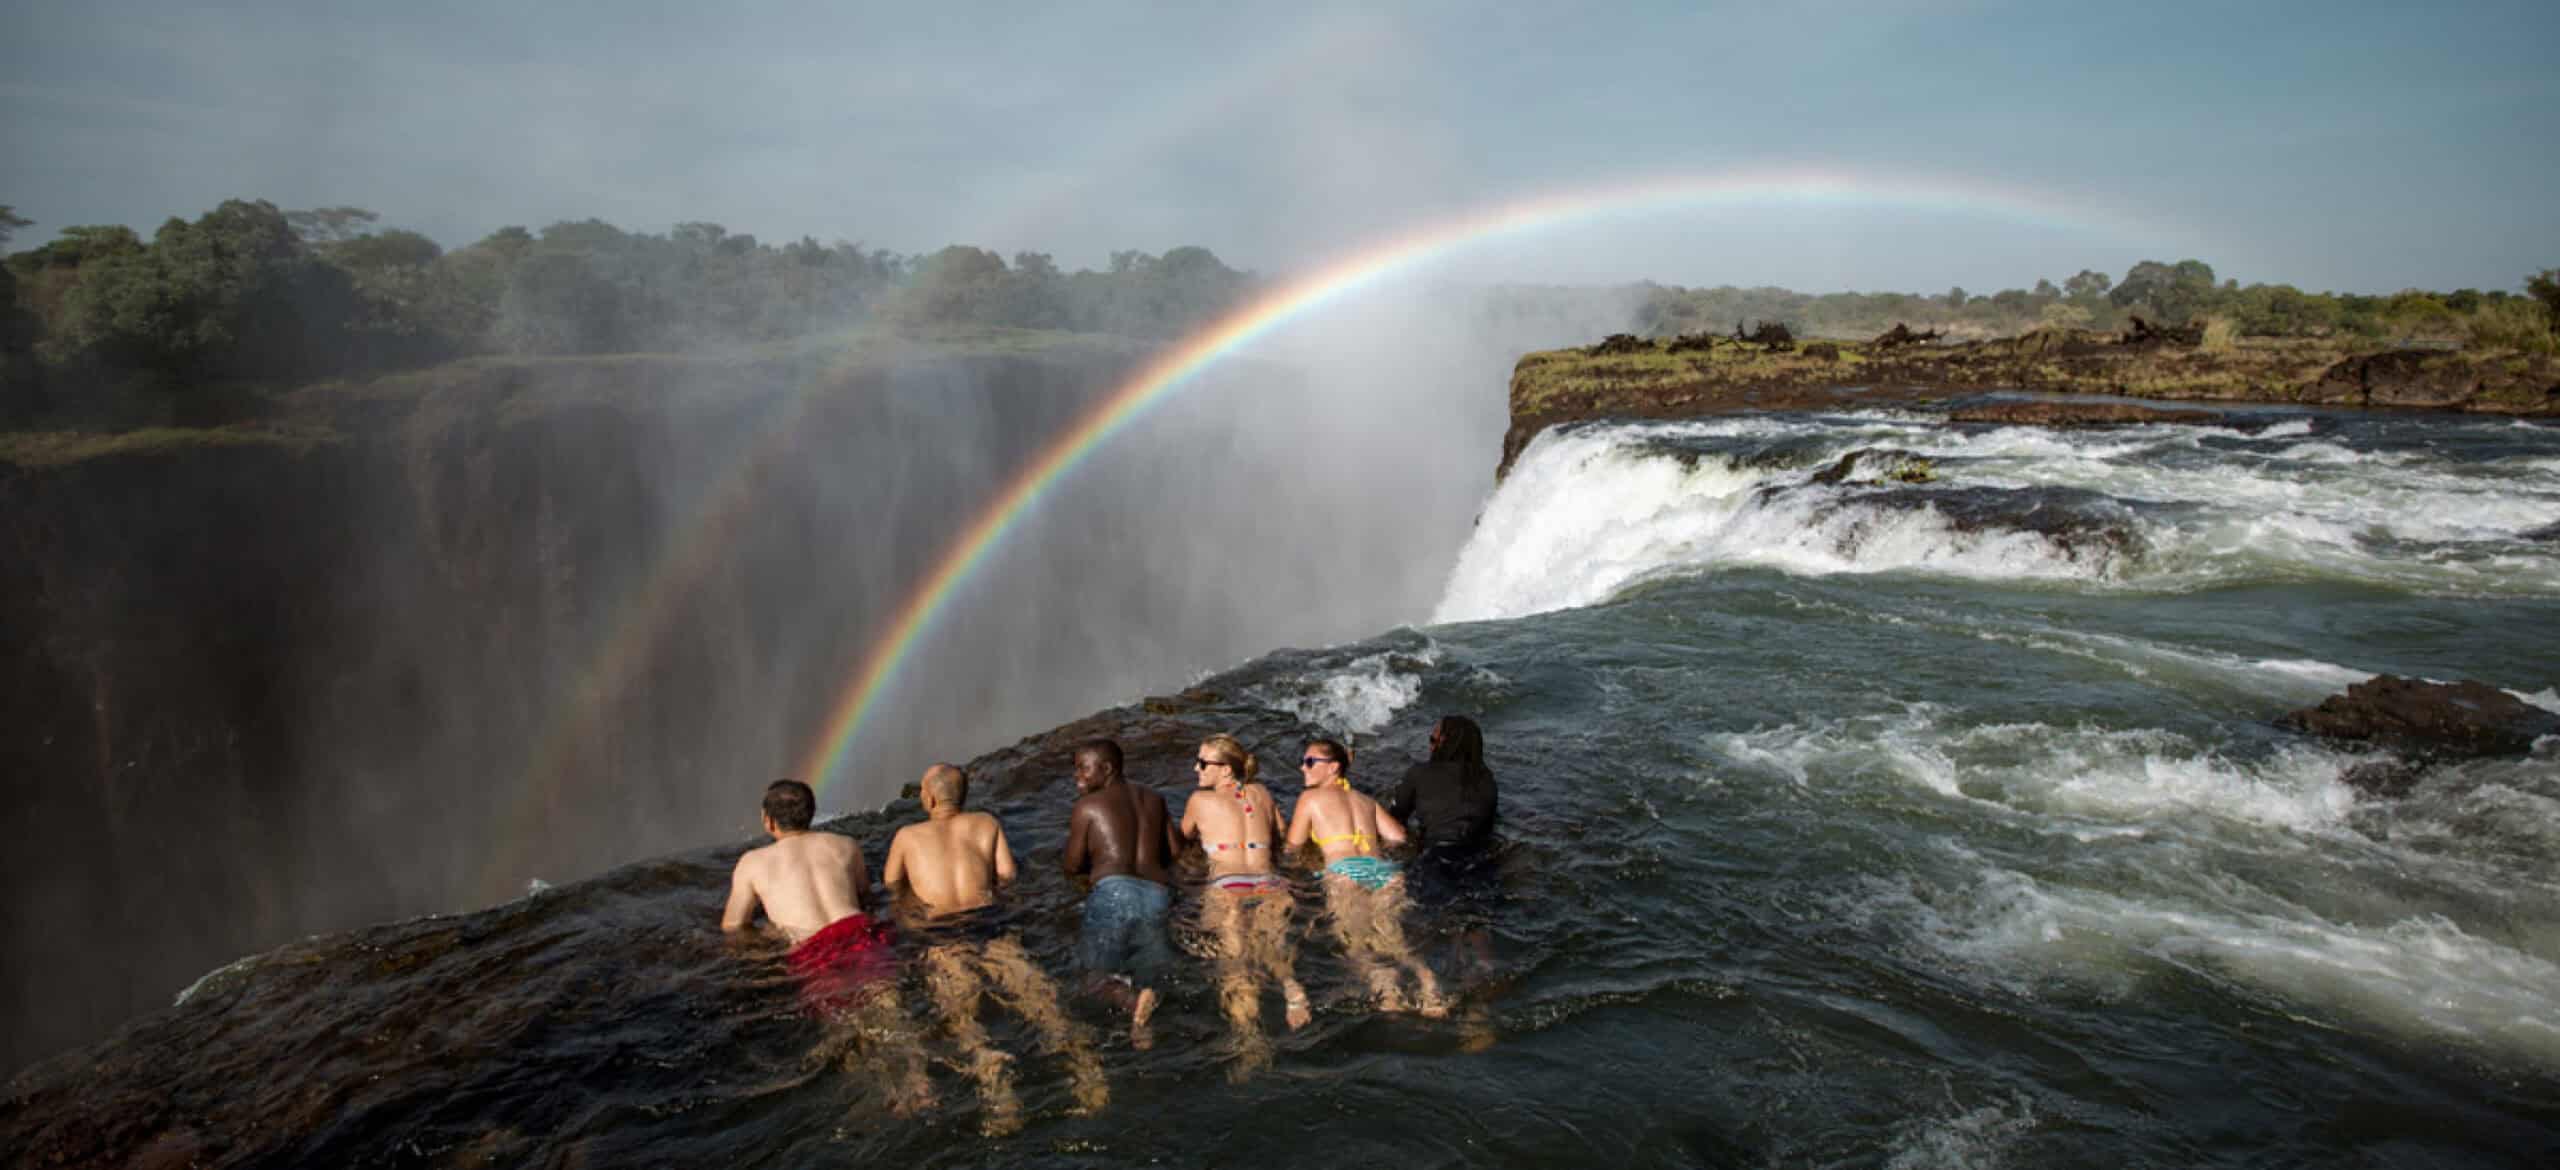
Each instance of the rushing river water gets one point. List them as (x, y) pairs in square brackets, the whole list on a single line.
[(1930, 814)]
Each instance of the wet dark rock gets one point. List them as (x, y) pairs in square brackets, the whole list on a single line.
[(1888, 462), (1177, 704), (2547, 532), (2427, 720), (2074, 414), (1783, 454), (2385, 776), (2086, 527)]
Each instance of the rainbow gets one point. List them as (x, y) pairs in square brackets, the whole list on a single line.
[(824, 763), (641, 617)]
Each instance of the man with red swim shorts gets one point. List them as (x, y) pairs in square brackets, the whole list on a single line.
[(810, 886)]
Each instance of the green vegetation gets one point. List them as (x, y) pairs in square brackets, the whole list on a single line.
[(2158, 292), (204, 321), (209, 321)]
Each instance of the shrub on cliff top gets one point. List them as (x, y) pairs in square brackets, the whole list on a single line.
[(2513, 324)]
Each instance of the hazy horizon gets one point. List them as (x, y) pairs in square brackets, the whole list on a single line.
[(2363, 148)]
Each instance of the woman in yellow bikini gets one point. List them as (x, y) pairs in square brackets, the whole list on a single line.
[(1363, 891)]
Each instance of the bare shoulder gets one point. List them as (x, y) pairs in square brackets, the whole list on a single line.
[(984, 824)]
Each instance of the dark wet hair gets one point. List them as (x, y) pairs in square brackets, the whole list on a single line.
[(1340, 754), (790, 804), (1107, 748), (1462, 743)]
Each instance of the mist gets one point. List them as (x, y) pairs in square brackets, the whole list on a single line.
[(522, 643), (574, 611)]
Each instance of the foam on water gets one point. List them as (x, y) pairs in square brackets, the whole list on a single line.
[(2297, 680), (1358, 699), (2129, 776), (2422, 977), (1588, 511), (1970, 1139)]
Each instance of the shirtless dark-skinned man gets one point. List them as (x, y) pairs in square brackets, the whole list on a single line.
[(1119, 836)]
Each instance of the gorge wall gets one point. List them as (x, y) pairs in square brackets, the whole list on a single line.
[(505, 621)]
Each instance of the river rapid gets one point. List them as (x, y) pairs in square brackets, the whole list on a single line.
[(1925, 814)]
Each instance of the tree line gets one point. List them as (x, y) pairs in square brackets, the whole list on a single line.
[(2163, 293), (102, 323)]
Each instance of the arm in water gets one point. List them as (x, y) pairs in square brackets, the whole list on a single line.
[(741, 911), (893, 870)]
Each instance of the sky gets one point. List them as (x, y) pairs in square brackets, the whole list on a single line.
[(2340, 145)]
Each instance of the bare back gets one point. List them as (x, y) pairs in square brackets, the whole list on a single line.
[(1237, 825), (1120, 829), (1343, 823), (950, 864), (805, 881)]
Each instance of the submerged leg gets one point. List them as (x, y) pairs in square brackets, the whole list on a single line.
[(880, 1019), (1223, 920), (1032, 996), (1272, 952), (1349, 907), (1387, 927), (956, 988)]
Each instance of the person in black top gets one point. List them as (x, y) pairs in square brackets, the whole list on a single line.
[(1448, 803)]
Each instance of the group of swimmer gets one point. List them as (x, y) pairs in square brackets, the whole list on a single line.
[(946, 872)]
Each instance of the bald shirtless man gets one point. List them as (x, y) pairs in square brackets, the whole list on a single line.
[(951, 866), (1246, 904), (810, 886), (1119, 836)]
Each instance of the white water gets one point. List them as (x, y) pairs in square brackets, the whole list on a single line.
[(2421, 977), (2124, 778), (1358, 698), (1589, 511)]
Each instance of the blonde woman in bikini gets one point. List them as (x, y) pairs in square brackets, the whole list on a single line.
[(1246, 904), (1363, 891)]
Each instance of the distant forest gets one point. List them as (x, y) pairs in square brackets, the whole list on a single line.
[(2161, 293), (102, 326)]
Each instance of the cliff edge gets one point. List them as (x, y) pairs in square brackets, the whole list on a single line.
[(1631, 377)]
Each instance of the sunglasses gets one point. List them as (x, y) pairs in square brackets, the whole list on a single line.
[(1205, 765), (1312, 761)]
